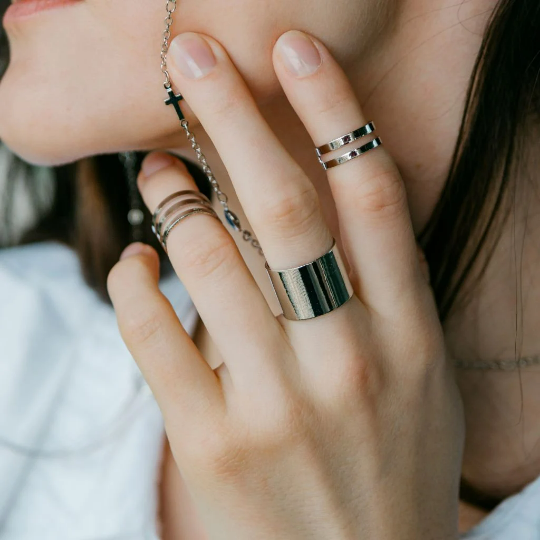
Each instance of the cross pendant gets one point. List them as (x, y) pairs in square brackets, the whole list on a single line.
[(173, 100)]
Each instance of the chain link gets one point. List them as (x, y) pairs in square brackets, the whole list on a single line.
[(230, 216), (498, 365), (171, 8)]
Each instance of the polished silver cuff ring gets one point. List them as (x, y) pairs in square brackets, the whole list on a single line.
[(312, 289)]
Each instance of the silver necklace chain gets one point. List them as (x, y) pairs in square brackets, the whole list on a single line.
[(230, 216), (234, 222), (498, 365)]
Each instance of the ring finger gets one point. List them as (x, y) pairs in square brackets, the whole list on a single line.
[(207, 260)]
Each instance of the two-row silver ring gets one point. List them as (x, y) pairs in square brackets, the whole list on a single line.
[(343, 141), (177, 207)]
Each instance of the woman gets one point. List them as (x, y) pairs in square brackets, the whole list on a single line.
[(251, 456)]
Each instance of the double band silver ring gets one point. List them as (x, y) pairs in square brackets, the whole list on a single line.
[(344, 140)]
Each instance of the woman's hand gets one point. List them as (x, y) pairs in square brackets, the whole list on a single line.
[(344, 426)]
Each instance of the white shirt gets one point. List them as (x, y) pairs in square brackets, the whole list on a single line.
[(70, 389), (515, 518)]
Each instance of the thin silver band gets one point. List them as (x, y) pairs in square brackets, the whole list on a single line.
[(346, 139), (352, 154), (172, 196), (166, 214), (172, 210), (313, 289), (182, 216)]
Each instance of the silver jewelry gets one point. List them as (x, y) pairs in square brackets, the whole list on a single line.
[(498, 365), (313, 289), (352, 154), (177, 207), (135, 215), (304, 292), (344, 140), (174, 99)]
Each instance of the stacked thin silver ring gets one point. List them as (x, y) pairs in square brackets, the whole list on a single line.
[(344, 140), (177, 207)]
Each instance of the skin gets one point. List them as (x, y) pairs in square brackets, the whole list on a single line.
[(408, 63)]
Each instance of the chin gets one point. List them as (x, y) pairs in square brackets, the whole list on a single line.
[(51, 123), (73, 88), (86, 80)]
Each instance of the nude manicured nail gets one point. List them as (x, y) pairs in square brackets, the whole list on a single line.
[(192, 55), (299, 53)]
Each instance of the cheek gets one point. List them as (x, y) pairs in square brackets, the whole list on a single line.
[(246, 29), (85, 80)]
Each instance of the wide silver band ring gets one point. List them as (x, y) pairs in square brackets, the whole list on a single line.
[(177, 207), (313, 289)]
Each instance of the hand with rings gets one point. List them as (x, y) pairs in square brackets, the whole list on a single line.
[(339, 419)]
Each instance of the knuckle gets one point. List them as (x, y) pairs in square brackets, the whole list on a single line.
[(383, 195), (425, 359), (225, 105), (292, 213), (288, 419), (210, 255), (359, 379), (335, 99), (217, 456), (141, 325), (285, 425)]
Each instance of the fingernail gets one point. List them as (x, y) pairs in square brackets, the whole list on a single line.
[(133, 249), (192, 55), (300, 55), (156, 161)]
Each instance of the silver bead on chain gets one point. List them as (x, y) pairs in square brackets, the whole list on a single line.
[(230, 216)]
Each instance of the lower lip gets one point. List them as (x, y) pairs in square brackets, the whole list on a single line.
[(27, 8)]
